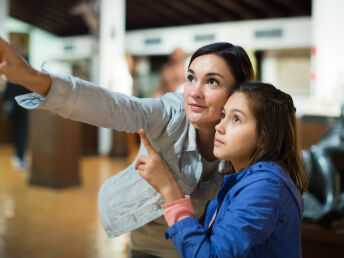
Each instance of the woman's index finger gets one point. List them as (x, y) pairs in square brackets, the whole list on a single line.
[(146, 142)]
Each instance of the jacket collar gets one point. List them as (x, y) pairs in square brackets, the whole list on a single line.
[(191, 143)]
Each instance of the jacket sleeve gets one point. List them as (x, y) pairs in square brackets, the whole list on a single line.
[(249, 220), (79, 100)]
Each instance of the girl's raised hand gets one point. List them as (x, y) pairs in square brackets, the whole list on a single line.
[(156, 173)]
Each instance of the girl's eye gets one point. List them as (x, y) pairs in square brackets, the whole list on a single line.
[(236, 119), (223, 115)]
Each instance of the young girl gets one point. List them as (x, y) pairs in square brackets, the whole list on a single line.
[(181, 128), (257, 212)]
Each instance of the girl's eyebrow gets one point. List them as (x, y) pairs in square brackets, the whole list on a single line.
[(239, 111), (234, 110), (208, 74)]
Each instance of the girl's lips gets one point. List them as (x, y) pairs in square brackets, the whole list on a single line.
[(217, 142), (196, 107)]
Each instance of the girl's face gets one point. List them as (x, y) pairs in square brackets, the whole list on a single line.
[(209, 83), (236, 136)]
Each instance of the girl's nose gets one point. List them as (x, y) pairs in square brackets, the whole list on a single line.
[(219, 128)]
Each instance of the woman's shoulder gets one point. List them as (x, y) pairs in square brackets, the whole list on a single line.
[(173, 100), (174, 103)]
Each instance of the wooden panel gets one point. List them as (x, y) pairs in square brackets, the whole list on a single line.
[(319, 242), (311, 131), (55, 148)]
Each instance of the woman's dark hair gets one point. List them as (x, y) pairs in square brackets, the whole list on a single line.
[(235, 57), (276, 126)]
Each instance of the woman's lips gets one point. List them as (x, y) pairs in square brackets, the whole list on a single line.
[(196, 107), (217, 142)]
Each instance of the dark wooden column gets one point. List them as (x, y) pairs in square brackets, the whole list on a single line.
[(5, 128), (55, 144), (89, 144)]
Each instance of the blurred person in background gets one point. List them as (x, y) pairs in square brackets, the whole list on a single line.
[(19, 122), (172, 74)]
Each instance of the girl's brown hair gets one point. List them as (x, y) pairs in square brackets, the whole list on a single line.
[(276, 126)]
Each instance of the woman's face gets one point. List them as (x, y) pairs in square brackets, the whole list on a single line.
[(236, 136), (208, 85)]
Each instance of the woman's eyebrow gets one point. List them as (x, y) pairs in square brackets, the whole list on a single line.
[(208, 74), (190, 71), (215, 74)]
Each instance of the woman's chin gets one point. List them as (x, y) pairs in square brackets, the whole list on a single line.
[(194, 119)]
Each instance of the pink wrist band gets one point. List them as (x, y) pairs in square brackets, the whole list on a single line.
[(178, 210)]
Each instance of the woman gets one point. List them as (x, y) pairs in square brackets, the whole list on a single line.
[(180, 127), (258, 210)]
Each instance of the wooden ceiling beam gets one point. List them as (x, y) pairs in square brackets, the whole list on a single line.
[(261, 6), (236, 7), (55, 16), (142, 14), (60, 21), (185, 10), (65, 7), (57, 19), (47, 12), (157, 9), (217, 12), (294, 7), (32, 19)]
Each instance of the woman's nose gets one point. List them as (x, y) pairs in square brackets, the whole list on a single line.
[(197, 91)]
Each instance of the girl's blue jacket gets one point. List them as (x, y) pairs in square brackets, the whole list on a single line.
[(258, 214)]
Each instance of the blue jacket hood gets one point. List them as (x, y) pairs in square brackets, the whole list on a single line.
[(283, 174)]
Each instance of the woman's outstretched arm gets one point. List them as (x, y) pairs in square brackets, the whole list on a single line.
[(18, 71), (83, 101)]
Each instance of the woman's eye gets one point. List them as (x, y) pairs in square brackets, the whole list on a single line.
[(213, 82), (190, 78), (236, 119), (223, 115)]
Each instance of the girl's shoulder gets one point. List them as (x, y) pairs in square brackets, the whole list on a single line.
[(262, 175), (269, 176), (264, 170)]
